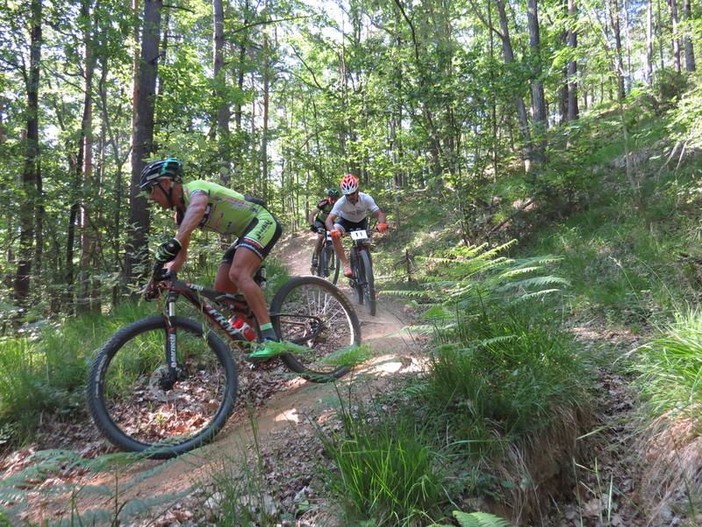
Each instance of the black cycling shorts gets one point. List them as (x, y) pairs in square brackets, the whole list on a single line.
[(260, 236)]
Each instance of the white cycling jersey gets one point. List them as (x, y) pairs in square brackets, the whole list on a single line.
[(355, 212)]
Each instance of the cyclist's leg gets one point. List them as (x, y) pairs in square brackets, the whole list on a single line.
[(339, 225), (320, 238), (317, 246), (222, 281), (348, 226), (254, 245)]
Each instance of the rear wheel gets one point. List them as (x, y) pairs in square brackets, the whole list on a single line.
[(329, 264), (312, 313), (141, 405)]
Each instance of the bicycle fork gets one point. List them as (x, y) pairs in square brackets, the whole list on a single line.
[(173, 372)]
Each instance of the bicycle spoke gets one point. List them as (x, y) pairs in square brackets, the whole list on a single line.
[(312, 312)]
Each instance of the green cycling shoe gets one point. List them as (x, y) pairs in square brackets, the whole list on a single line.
[(266, 350)]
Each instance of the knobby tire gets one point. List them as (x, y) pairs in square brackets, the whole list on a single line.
[(133, 410), (358, 272), (368, 282)]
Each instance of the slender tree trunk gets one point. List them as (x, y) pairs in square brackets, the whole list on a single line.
[(267, 70), (615, 20), (659, 31), (675, 20), (31, 176), (687, 40), (573, 110), (508, 57), (649, 43), (538, 99), (88, 239), (221, 131), (143, 136)]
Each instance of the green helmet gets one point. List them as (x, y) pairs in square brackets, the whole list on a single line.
[(333, 192), (152, 173)]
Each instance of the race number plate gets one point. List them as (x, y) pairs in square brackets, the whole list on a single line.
[(359, 235)]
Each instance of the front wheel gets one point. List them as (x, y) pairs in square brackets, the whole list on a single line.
[(314, 314), (367, 281), (142, 405)]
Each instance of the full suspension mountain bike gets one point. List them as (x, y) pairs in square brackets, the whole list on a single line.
[(328, 264), (362, 280), (167, 384)]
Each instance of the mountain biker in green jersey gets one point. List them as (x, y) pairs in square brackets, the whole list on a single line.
[(316, 220), (213, 207)]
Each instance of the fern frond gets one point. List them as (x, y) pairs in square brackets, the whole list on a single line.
[(479, 519), (534, 282)]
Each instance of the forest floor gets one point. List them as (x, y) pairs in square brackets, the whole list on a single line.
[(271, 451)]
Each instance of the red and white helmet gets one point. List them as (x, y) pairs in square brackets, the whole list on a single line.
[(348, 184)]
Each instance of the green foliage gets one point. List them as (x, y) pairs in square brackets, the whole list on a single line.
[(670, 368), (476, 519), (670, 84), (466, 278), (23, 392), (385, 472), (504, 370)]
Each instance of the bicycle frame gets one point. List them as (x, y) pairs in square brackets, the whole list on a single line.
[(198, 296), (204, 299)]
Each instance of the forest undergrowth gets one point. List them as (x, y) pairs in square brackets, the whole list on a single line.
[(561, 386)]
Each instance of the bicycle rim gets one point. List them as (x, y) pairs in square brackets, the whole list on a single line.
[(137, 410), (368, 282), (313, 313)]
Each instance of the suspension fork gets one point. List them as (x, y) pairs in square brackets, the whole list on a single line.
[(171, 347)]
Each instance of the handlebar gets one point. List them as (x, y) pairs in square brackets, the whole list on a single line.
[(153, 289)]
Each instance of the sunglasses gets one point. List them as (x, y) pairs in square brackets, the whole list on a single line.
[(148, 190)]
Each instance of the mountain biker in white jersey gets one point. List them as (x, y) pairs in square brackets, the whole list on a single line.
[(350, 212), (213, 207)]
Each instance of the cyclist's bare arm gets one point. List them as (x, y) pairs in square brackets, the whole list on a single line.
[(380, 216), (329, 222), (312, 216), (193, 216)]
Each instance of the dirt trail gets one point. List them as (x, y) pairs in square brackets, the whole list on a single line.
[(276, 431)]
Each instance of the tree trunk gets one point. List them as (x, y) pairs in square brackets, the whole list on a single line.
[(687, 40), (538, 100), (508, 56), (88, 238), (31, 173), (615, 21), (649, 43), (573, 110), (220, 132), (263, 183), (143, 137), (675, 20)]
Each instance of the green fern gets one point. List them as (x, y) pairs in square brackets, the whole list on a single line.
[(476, 519), (469, 276)]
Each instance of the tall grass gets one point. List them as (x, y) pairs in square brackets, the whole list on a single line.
[(46, 373), (385, 471), (670, 368), (507, 368)]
